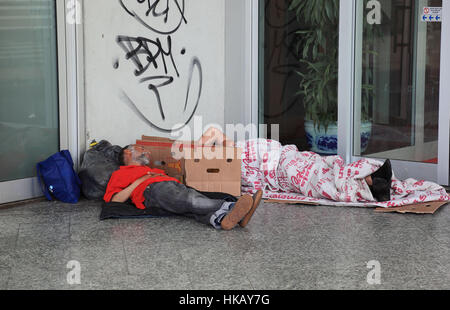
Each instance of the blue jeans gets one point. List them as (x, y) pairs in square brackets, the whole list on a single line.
[(177, 199)]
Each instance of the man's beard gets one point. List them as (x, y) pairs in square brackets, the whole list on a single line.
[(143, 160)]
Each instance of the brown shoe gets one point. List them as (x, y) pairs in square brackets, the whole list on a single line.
[(239, 211), (256, 201)]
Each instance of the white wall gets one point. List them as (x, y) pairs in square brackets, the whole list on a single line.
[(236, 61), (240, 57), (241, 63), (119, 107)]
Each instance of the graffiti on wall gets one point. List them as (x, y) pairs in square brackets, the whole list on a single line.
[(154, 60)]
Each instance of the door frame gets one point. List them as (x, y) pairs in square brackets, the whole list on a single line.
[(255, 63), (439, 173), (71, 79), (71, 100)]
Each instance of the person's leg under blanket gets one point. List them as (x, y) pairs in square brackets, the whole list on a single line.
[(181, 200)]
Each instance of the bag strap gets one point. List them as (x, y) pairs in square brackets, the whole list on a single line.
[(41, 183)]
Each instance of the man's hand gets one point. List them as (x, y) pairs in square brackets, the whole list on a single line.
[(149, 175)]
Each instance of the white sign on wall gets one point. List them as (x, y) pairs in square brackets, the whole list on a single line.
[(432, 14)]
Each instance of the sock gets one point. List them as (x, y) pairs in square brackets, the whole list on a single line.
[(217, 218)]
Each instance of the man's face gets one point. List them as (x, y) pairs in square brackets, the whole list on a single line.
[(140, 155)]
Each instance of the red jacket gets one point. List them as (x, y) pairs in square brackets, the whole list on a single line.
[(126, 175)]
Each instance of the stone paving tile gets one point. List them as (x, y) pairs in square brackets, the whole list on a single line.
[(284, 247)]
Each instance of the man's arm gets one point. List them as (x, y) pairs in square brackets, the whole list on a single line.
[(125, 194)]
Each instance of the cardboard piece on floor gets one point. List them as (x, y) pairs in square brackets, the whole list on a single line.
[(418, 208), (422, 208), (291, 202)]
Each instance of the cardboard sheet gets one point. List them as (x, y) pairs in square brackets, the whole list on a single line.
[(419, 208), (292, 202)]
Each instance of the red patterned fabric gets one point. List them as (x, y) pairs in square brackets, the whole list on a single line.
[(285, 173)]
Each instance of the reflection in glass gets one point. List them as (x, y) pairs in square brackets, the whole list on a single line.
[(28, 86), (397, 81), (298, 71)]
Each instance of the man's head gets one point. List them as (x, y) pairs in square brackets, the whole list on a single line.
[(134, 155)]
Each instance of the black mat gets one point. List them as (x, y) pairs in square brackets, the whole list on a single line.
[(115, 210)]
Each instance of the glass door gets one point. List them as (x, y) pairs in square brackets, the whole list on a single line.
[(298, 72), (29, 122), (397, 63)]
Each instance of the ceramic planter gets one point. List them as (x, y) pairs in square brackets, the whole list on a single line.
[(326, 143)]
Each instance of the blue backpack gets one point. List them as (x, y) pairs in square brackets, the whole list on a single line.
[(58, 179)]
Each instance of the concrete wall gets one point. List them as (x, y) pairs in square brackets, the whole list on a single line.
[(146, 74)]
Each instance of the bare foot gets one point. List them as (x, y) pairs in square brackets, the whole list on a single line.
[(369, 180)]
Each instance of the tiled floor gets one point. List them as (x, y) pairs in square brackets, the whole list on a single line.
[(284, 247)]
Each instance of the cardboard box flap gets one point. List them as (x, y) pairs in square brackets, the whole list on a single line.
[(156, 139), (211, 153), (160, 144), (162, 158)]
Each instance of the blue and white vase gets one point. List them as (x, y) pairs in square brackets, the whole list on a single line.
[(326, 143)]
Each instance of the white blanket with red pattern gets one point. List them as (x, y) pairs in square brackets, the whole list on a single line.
[(285, 173)]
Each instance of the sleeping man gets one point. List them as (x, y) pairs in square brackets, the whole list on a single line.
[(293, 171), (152, 188)]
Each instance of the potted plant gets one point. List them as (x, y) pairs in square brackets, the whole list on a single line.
[(317, 46)]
